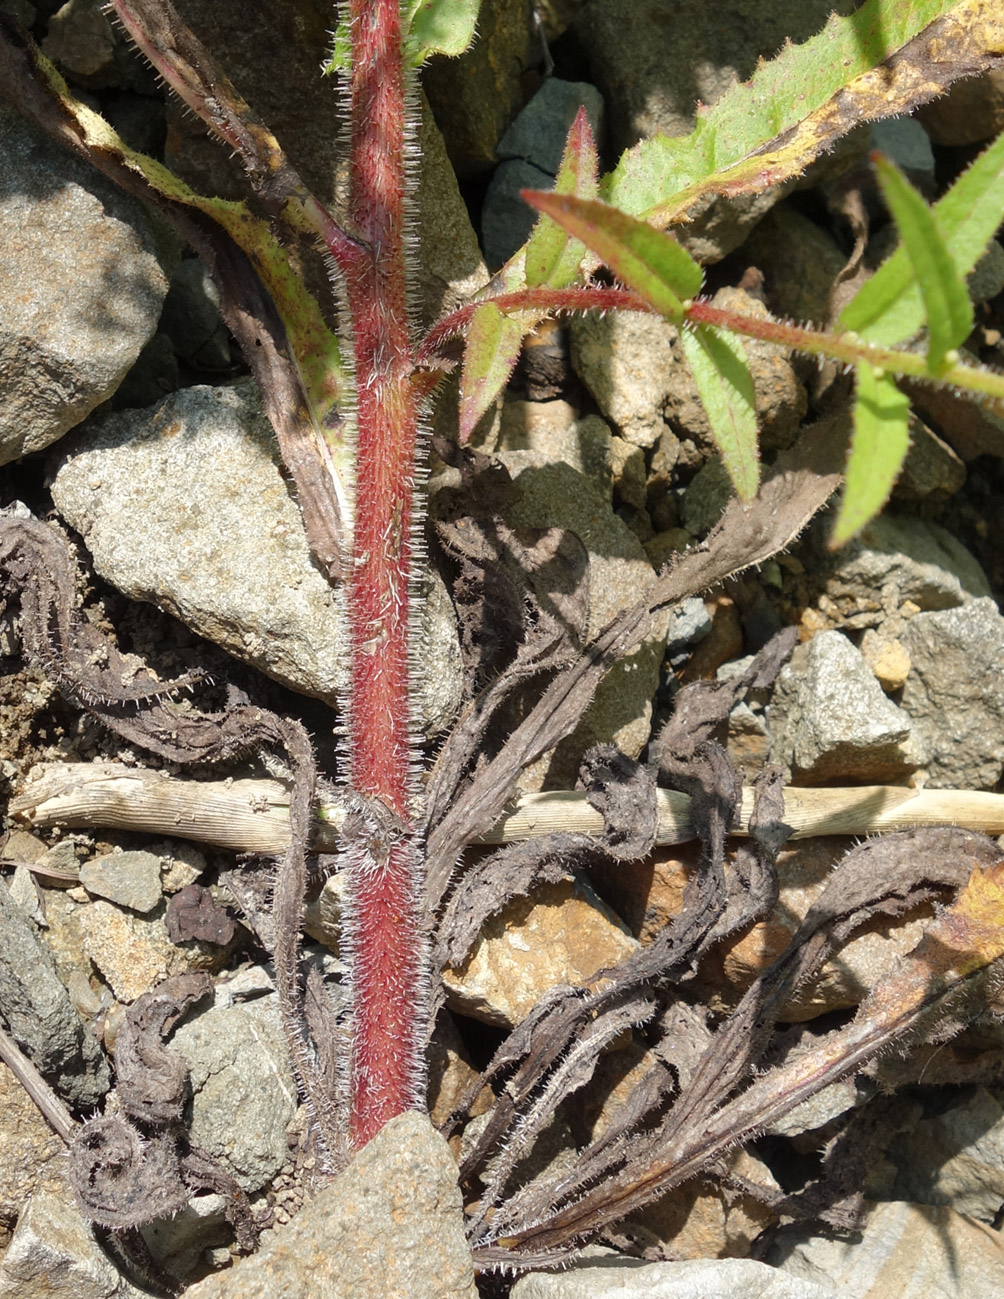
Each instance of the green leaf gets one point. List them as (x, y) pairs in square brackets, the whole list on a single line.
[(340, 58), (553, 257), (439, 27), (429, 26), (725, 386), (879, 444), (947, 307), (650, 262), (491, 351), (889, 308), (769, 128)]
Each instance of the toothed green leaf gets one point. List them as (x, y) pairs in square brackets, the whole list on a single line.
[(879, 444), (553, 257), (888, 308), (721, 372), (947, 308), (491, 351), (658, 268), (439, 27), (769, 128)]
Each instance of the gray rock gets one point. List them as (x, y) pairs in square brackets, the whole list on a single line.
[(539, 132), (689, 622), (830, 719), (905, 141), (390, 1225), (133, 952), (450, 266), (243, 1092), (906, 558), (626, 362), (81, 286), (556, 496), (909, 1251), (132, 879), (986, 279), (476, 96), (83, 41), (184, 505), (53, 1255), (954, 694), (191, 317), (506, 221), (617, 1277), (955, 1158), (705, 498), (39, 1016), (32, 1157)]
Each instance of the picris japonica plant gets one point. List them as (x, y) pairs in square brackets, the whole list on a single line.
[(349, 412)]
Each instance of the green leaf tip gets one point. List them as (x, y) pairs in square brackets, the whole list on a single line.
[(725, 386), (553, 257), (655, 265), (879, 443), (946, 302)]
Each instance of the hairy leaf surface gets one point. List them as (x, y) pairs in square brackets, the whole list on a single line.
[(889, 308), (879, 445), (493, 344), (721, 372), (552, 256), (654, 264), (768, 129), (947, 307)]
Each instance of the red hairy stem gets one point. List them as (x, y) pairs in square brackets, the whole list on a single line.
[(385, 934)]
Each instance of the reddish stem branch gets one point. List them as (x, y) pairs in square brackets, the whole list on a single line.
[(385, 933)]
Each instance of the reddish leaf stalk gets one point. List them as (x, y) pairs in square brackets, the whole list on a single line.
[(384, 931)]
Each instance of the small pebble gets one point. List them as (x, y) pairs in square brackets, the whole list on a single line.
[(130, 879)]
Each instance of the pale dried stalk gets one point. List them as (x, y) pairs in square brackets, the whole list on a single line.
[(252, 815)]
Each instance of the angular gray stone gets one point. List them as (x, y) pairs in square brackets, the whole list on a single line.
[(539, 132), (906, 1251), (81, 285), (955, 1158), (829, 718), (243, 1091), (390, 1225), (53, 1255), (907, 558), (38, 1013), (617, 1277), (132, 879), (954, 694), (184, 505)]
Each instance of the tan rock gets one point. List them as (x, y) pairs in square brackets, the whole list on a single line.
[(910, 1251), (134, 952), (31, 1155), (887, 658), (558, 933)]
